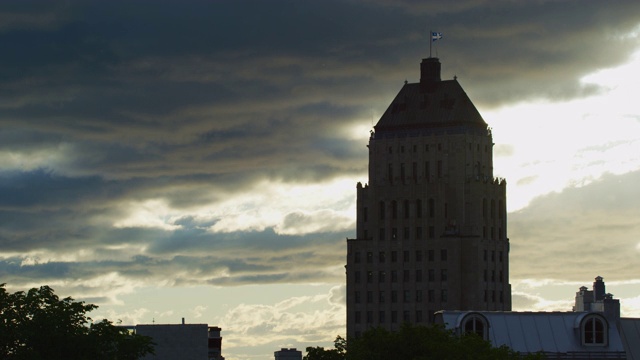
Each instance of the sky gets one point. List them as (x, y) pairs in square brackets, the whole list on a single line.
[(199, 159)]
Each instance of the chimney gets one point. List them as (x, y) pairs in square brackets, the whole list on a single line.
[(182, 321), (429, 71), (598, 289)]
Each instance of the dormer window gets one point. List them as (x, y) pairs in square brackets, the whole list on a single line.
[(476, 324), (595, 331)]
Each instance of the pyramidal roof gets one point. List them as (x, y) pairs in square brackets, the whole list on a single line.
[(431, 103)]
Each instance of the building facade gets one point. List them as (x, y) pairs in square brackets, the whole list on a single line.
[(182, 341), (432, 220), (288, 354)]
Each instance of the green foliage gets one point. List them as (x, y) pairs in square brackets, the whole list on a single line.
[(415, 343), (339, 352), (39, 325)]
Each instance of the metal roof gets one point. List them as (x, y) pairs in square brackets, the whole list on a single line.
[(556, 333), (630, 331)]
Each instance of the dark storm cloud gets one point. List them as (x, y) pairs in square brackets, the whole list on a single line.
[(217, 259), (105, 104)]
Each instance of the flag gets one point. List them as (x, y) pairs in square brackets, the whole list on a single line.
[(436, 36)]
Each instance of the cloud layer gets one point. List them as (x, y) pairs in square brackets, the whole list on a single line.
[(219, 143)]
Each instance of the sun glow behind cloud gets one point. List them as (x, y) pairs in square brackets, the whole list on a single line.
[(271, 204), (552, 143)]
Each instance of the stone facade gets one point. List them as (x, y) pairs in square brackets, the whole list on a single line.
[(432, 221)]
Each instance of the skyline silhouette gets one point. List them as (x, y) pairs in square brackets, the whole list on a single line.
[(200, 159)]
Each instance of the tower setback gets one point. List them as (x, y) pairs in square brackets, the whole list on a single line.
[(432, 221)]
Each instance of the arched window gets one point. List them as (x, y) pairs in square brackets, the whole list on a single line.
[(476, 324), (594, 331)]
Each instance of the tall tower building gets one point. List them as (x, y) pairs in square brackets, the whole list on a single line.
[(432, 221)]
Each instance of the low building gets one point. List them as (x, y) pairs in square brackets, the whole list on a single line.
[(288, 354), (594, 330), (182, 341)]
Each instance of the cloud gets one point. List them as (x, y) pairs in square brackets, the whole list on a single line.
[(217, 144), (585, 229), (299, 320)]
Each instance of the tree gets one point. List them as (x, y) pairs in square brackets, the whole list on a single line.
[(415, 343), (319, 353), (39, 325)]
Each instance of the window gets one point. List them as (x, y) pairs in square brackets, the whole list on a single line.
[(369, 257), (369, 297), (443, 254), (405, 256), (365, 214), (357, 276), (419, 316), (357, 317), (418, 232), (381, 276), (394, 317), (406, 276), (394, 209), (419, 275), (415, 170), (381, 297), (394, 296), (493, 208), (430, 255), (475, 324), (369, 277), (418, 208), (381, 317), (432, 275), (381, 257), (369, 317), (594, 331), (432, 208), (357, 296), (484, 208), (406, 209), (394, 276), (356, 257), (381, 235), (418, 255), (443, 295), (394, 233), (418, 295), (443, 274), (394, 256), (405, 233), (381, 210), (407, 296)]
